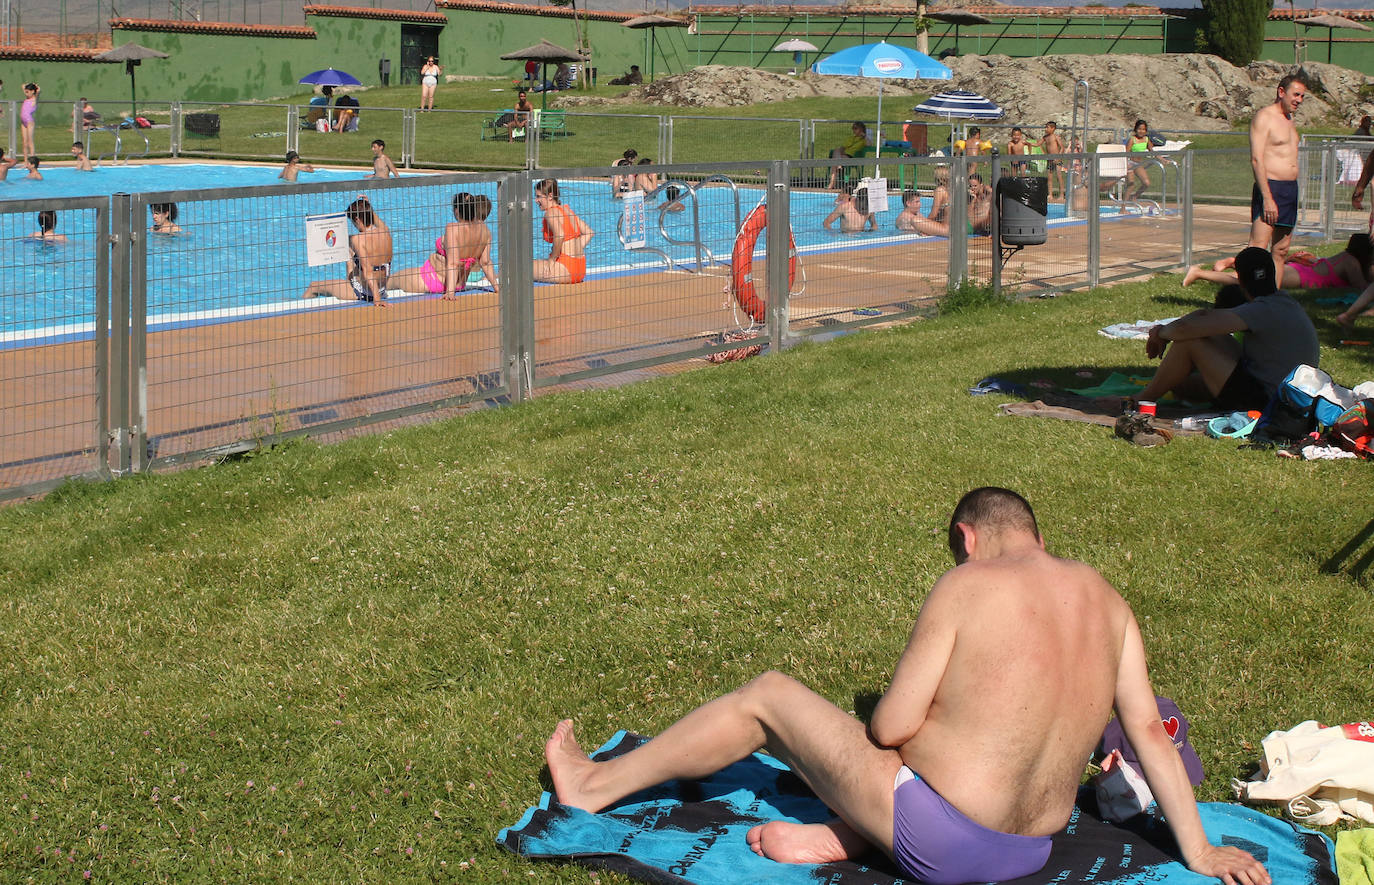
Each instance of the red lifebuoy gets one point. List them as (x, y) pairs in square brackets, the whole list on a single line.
[(742, 263)]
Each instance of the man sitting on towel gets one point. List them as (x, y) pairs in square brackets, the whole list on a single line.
[(973, 756), (1205, 362)]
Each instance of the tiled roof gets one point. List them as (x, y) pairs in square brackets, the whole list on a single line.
[(224, 28), (534, 9), (25, 53), (401, 15), (1001, 10)]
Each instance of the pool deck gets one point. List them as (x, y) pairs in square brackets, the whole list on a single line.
[(211, 385)]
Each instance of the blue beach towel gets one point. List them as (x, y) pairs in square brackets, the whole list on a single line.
[(693, 831)]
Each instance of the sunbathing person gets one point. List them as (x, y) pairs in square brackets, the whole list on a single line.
[(369, 263), (466, 243), (972, 758), (568, 235), (851, 210), (1206, 362), (1350, 269)]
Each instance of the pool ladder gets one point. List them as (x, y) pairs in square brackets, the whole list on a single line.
[(686, 191), (117, 131)]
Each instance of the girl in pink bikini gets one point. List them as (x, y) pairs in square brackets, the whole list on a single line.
[(26, 117), (1348, 270), (466, 243)]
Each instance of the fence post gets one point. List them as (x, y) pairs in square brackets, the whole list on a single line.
[(665, 139), (1330, 172), (958, 220), (13, 115), (107, 373), (1094, 218), (138, 333), (995, 216), (1186, 209), (174, 124), (517, 283), (779, 254), (531, 146), (119, 330)]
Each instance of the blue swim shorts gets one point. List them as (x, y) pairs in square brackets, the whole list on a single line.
[(934, 842), (1285, 197)]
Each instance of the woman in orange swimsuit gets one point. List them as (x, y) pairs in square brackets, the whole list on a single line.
[(568, 234), (466, 243)]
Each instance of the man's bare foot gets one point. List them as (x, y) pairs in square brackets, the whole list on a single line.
[(786, 842), (1223, 264), (569, 767), (1346, 320), (1191, 276)]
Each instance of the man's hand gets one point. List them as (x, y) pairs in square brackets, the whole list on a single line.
[(1230, 865), (1155, 345), (1357, 199), (1271, 211)]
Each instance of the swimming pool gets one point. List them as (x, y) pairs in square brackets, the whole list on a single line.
[(246, 257)]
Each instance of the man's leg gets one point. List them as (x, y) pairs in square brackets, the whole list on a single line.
[(1283, 239), (1213, 358), (826, 747)]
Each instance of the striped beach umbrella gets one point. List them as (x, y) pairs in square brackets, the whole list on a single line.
[(960, 104)]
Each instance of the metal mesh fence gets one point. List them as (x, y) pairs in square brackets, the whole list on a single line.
[(723, 139), (215, 346), (578, 140), (488, 142), (240, 348), (241, 130), (1222, 180), (659, 252), (53, 342)]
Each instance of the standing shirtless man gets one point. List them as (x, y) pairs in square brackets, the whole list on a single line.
[(927, 781), (1274, 160)]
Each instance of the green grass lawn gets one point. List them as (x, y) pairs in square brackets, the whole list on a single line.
[(339, 663)]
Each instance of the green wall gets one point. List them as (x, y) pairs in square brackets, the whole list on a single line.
[(748, 39), (220, 67)]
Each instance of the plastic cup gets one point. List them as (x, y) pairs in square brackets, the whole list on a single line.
[(1146, 407)]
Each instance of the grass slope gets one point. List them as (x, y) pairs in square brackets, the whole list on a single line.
[(339, 663)]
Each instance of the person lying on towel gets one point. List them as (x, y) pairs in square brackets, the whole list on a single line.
[(973, 755)]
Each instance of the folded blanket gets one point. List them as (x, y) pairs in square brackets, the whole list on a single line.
[(694, 831)]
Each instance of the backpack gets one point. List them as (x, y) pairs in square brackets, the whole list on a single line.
[(1307, 400), (1354, 430)]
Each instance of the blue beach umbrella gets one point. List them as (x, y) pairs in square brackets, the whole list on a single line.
[(882, 61), (960, 104), (330, 77)]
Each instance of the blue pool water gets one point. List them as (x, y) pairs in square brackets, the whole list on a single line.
[(246, 257)]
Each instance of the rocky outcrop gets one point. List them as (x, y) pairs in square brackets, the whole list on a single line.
[(1190, 91)]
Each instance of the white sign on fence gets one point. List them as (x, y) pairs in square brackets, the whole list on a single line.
[(877, 194), (326, 238), (635, 226)]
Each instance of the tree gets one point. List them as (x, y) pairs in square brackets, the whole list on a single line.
[(583, 46), (1235, 28)]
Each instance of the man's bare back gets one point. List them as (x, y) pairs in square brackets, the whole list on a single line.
[(1027, 689), (973, 754)]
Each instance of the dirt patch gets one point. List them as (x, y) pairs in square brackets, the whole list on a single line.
[(1190, 91)]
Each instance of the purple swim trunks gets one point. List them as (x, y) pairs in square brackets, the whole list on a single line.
[(935, 843)]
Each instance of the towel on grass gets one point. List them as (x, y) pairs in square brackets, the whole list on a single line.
[(694, 832), (1355, 856), (1137, 331)]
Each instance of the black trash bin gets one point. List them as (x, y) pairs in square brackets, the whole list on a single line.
[(202, 124), (1022, 204), (384, 71)]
